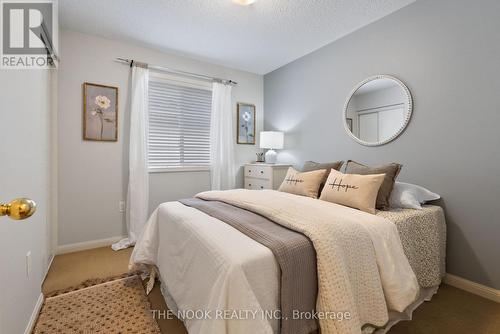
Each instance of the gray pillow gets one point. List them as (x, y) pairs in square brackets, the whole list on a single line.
[(391, 172), (311, 165)]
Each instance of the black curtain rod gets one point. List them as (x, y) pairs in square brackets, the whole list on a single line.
[(179, 72)]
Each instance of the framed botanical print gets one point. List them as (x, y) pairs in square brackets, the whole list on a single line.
[(100, 112), (245, 124)]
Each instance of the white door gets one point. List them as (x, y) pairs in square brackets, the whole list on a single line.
[(24, 172), (389, 122), (368, 127)]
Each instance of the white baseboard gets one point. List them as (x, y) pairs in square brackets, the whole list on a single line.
[(48, 268), (34, 315), (63, 249), (472, 287)]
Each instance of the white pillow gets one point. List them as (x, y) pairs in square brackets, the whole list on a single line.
[(411, 196)]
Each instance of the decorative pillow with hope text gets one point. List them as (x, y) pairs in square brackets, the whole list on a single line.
[(353, 190), (305, 184)]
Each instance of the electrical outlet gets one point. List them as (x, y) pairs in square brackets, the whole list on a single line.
[(121, 206), (28, 264)]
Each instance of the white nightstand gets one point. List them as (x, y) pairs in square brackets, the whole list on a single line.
[(264, 176)]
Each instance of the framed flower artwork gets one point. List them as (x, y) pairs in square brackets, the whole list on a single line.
[(245, 124), (100, 112)]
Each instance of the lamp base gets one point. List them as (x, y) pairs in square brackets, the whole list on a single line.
[(271, 156)]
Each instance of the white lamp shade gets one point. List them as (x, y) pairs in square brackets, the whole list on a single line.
[(271, 139)]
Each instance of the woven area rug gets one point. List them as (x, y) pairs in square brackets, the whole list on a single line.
[(119, 306)]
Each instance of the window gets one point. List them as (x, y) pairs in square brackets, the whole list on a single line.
[(179, 124)]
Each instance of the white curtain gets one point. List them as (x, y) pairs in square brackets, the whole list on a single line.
[(138, 179), (222, 139)]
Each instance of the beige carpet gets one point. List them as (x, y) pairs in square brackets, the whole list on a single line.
[(118, 306), (69, 270), (450, 311)]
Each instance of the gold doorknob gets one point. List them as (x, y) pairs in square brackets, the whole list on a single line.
[(20, 208)]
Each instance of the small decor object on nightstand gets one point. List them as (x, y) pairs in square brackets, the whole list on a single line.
[(260, 157), (271, 140), (100, 112), (246, 124)]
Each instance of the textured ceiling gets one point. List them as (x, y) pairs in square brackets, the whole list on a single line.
[(257, 38)]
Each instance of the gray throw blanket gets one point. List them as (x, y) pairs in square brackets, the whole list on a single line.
[(293, 251)]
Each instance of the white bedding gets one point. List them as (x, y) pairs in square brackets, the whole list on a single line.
[(208, 265)]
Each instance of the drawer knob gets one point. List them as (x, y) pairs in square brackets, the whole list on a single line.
[(261, 187), (249, 184), (262, 172)]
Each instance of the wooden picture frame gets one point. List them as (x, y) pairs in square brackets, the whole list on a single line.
[(100, 112), (245, 128)]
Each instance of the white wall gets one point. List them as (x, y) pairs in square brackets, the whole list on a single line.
[(25, 158), (374, 99), (379, 98), (93, 175)]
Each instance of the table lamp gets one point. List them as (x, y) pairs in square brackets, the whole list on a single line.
[(271, 140)]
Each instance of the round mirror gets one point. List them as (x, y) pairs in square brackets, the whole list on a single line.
[(377, 110)]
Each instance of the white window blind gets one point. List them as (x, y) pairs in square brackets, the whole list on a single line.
[(179, 125)]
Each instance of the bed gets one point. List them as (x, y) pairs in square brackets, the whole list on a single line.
[(220, 280)]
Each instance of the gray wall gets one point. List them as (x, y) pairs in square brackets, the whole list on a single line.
[(448, 53)]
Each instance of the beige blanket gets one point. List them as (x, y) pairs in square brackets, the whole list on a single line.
[(362, 270)]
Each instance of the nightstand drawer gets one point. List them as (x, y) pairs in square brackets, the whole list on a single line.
[(257, 184), (261, 172)]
